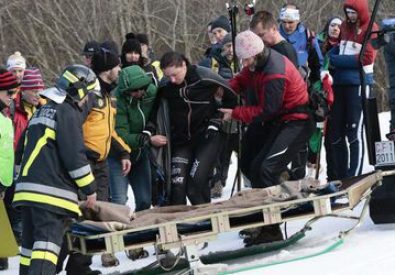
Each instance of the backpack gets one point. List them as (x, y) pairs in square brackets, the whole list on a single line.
[(319, 103)]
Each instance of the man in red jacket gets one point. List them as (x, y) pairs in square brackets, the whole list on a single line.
[(278, 115)]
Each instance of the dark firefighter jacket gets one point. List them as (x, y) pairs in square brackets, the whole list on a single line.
[(54, 164)]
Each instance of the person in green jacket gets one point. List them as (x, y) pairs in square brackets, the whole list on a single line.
[(135, 101), (7, 83)]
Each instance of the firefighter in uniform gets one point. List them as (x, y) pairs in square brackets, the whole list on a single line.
[(100, 136), (54, 167)]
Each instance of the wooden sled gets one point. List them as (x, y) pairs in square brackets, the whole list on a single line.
[(186, 234)]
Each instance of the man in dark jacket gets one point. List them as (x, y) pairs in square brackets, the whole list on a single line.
[(53, 168), (99, 137), (277, 113)]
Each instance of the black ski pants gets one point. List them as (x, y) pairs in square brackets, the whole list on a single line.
[(268, 149), (192, 164)]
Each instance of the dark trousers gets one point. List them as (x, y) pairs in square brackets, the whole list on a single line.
[(78, 263), (192, 165), (346, 132), (41, 242), (14, 215), (331, 172), (281, 144)]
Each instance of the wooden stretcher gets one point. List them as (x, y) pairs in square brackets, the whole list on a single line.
[(188, 233)]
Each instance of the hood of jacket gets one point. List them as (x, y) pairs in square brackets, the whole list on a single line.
[(132, 78), (360, 6)]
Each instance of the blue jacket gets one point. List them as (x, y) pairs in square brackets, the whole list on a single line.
[(299, 41)]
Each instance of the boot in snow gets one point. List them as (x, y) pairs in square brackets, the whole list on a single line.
[(216, 190), (268, 234), (250, 232), (3, 263), (135, 254), (108, 260)]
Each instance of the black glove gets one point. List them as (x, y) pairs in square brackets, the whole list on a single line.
[(144, 139), (211, 132)]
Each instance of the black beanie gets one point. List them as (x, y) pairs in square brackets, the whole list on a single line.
[(130, 35), (221, 22), (143, 38), (131, 45), (104, 61)]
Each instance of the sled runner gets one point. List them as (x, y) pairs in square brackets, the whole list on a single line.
[(187, 233)]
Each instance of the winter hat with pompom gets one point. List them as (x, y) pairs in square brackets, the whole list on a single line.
[(16, 61)]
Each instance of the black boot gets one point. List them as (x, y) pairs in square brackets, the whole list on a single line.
[(136, 254), (268, 234), (3, 263)]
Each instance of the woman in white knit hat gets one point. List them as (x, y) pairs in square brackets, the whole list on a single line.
[(16, 64)]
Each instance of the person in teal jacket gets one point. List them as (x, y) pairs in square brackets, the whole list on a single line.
[(7, 83), (135, 101)]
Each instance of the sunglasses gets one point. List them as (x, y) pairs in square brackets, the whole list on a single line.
[(11, 92)]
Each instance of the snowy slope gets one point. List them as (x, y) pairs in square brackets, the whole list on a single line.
[(369, 249)]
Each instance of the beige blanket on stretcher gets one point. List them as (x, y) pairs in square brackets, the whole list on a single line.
[(113, 217)]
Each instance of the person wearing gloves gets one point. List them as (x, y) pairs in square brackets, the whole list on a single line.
[(8, 83), (327, 38), (192, 93), (280, 123), (54, 167)]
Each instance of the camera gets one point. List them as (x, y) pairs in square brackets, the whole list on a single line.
[(386, 34)]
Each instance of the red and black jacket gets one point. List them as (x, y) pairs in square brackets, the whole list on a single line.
[(274, 91)]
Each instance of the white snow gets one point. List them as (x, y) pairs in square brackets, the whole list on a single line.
[(369, 249)]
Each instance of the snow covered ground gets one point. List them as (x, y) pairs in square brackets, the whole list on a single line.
[(369, 249)]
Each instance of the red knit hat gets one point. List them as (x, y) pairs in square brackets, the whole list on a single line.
[(32, 80), (7, 80)]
